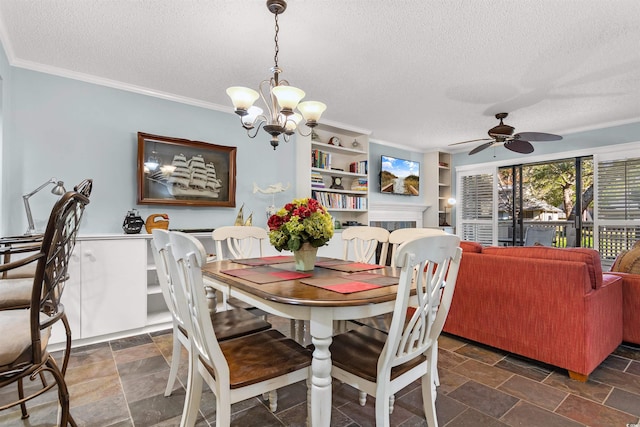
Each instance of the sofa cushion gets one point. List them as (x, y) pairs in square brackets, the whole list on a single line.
[(591, 257), (628, 261), (468, 246)]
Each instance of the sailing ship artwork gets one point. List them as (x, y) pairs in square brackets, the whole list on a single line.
[(188, 178), (181, 172)]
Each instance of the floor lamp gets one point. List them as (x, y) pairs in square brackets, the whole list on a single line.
[(57, 190)]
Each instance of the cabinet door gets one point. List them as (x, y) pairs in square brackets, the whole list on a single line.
[(70, 300), (114, 286)]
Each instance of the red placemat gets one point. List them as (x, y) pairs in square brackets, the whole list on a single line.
[(342, 285), (262, 275), (278, 259)]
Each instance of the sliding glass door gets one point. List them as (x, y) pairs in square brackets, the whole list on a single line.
[(553, 198)]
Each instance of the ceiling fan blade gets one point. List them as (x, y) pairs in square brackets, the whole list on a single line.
[(471, 140), (537, 136), (479, 148), (519, 146)]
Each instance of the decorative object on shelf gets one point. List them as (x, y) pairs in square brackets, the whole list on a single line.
[(275, 93), (303, 221), (355, 143), (272, 189), (189, 173), (334, 140), (154, 221), (336, 183), (240, 218), (58, 190), (132, 223), (314, 136), (450, 202)]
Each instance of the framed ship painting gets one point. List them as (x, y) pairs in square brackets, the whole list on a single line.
[(174, 171)]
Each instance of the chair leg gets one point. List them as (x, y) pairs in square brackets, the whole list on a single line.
[(175, 363), (392, 401), (429, 397), (362, 398), (63, 393), (23, 406), (273, 400), (193, 395), (67, 349)]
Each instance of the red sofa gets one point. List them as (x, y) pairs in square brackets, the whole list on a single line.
[(630, 307), (547, 304)]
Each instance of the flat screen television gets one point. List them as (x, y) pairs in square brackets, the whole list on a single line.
[(399, 176)]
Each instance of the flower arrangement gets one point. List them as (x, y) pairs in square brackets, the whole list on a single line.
[(301, 221)]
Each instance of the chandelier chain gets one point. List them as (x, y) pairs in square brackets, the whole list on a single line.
[(275, 39)]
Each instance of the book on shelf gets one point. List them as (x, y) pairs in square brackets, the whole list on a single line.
[(360, 184), (320, 159), (358, 167), (316, 180)]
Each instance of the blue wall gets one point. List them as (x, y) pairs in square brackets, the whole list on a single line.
[(73, 130), (375, 196)]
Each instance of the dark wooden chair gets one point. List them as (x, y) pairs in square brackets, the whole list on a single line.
[(25, 332)]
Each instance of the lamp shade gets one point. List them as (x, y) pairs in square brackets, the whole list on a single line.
[(288, 96), (252, 113), (292, 122), (242, 97), (311, 110)]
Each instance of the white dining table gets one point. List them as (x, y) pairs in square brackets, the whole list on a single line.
[(294, 299)]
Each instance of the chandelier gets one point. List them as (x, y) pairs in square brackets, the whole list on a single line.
[(280, 99)]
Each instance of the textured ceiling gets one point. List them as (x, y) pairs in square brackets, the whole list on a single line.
[(417, 73)]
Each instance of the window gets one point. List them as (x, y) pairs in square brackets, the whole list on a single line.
[(618, 208), (476, 207)]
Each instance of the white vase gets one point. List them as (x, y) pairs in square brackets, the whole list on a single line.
[(305, 257)]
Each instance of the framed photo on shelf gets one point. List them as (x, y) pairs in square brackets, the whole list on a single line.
[(174, 171)]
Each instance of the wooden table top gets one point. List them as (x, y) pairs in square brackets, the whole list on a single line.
[(295, 292)]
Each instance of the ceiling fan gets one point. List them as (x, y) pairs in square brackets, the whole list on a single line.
[(503, 134)]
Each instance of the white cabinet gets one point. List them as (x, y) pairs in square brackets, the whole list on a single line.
[(106, 292), (113, 296), (345, 167)]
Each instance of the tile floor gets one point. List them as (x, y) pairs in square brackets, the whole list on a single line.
[(121, 383)]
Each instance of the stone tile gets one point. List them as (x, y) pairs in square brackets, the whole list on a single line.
[(256, 416), (103, 412), (487, 355), (297, 417), (93, 391), (539, 394), (142, 367), (155, 409), (160, 333), (525, 367), (90, 371), (446, 408), (123, 343), (483, 373), (131, 354), (618, 379), (526, 414), (634, 368), (588, 412), (449, 381), (485, 399), (365, 415), (624, 401), (473, 418), (44, 415), (450, 342), (89, 354), (449, 359), (290, 396), (149, 385), (615, 362), (629, 351), (592, 390)]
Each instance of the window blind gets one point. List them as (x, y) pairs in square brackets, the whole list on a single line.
[(476, 209)]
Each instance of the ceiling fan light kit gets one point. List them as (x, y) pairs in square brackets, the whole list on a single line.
[(280, 100), (503, 134)]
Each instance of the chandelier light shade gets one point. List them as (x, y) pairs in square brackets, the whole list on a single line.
[(284, 110)]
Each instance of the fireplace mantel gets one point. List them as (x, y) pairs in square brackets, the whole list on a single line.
[(397, 212)]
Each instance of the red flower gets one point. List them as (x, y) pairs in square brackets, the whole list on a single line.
[(275, 222)]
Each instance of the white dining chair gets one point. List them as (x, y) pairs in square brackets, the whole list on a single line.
[(229, 324), (235, 369), (381, 363), (360, 243), (402, 235)]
